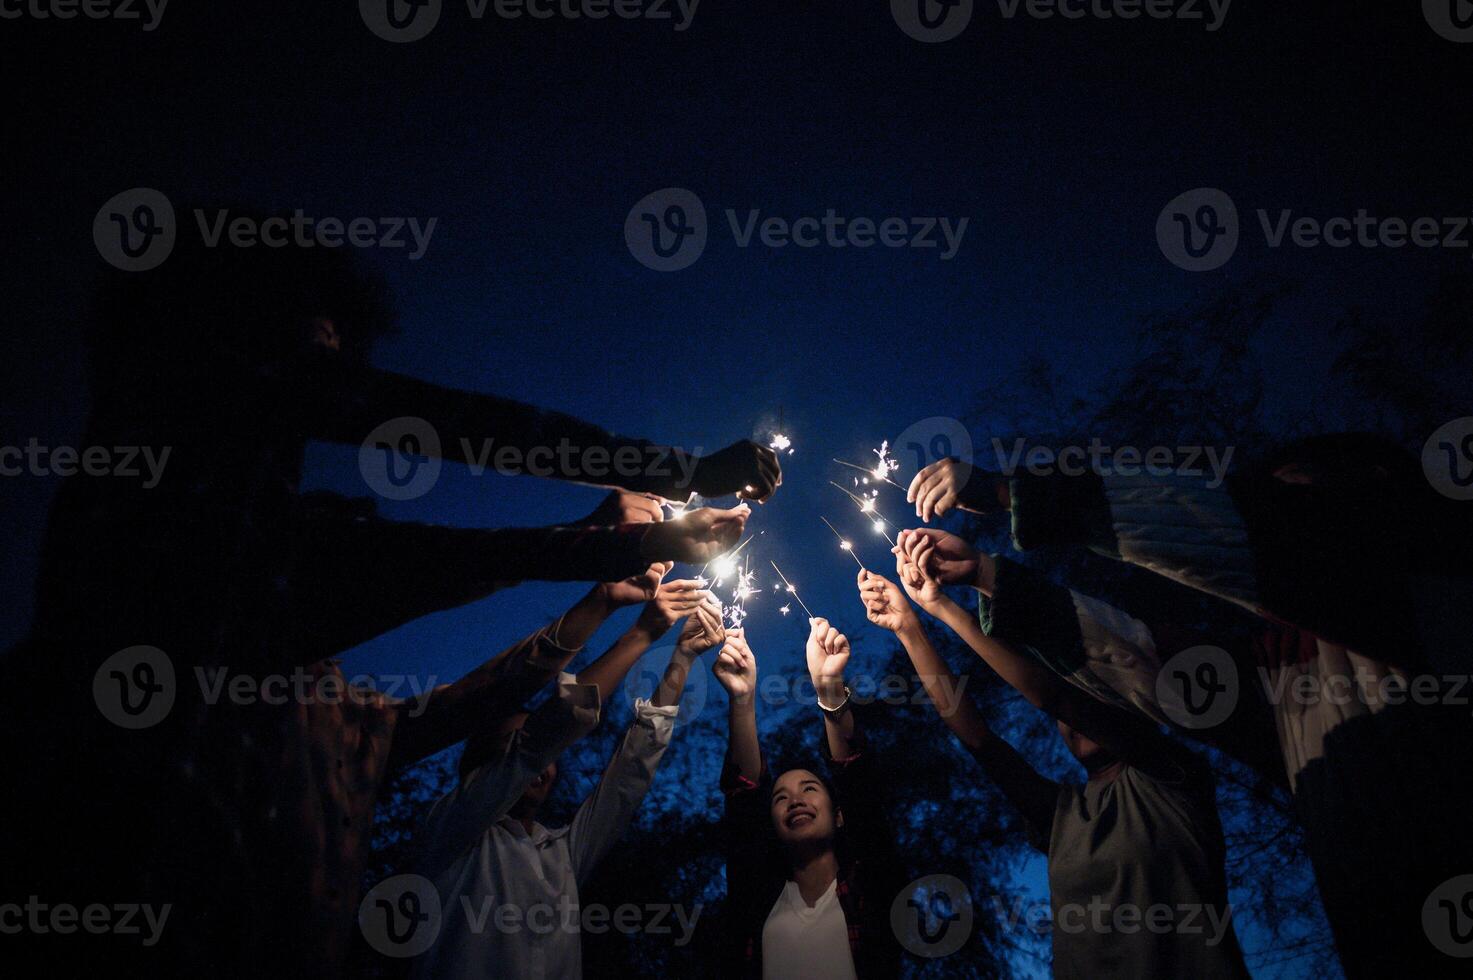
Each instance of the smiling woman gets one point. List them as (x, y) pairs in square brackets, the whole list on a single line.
[(810, 880)]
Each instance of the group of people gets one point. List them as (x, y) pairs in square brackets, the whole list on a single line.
[(812, 861), (252, 820)]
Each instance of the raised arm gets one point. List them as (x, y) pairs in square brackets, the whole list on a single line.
[(452, 712), (929, 557), (1033, 794), (828, 653), (673, 602), (736, 670), (602, 817)]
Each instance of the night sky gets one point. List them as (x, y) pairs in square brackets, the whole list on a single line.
[(530, 141)]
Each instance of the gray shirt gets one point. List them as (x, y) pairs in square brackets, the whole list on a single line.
[(1136, 879)]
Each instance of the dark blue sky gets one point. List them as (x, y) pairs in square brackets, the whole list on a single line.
[(529, 141)]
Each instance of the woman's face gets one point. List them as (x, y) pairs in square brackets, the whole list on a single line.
[(802, 811)]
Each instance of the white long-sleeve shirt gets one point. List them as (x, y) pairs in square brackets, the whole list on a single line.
[(509, 899)]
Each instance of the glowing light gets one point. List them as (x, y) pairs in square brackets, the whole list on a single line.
[(846, 545), (781, 443), (786, 609)]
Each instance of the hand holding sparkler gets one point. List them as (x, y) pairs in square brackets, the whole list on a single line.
[(827, 654), (674, 601), (637, 588), (947, 558), (697, 537), (744, 468), (885, 604), (949, 483), (623, 507), (703, 629), (735, 667)]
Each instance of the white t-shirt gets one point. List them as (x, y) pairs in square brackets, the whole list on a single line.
[(800, 942)]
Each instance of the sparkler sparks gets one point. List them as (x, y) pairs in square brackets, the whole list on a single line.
[(791, 588), (845, 544), (781, 443), (887, 465), (875, 472), (869, 506)]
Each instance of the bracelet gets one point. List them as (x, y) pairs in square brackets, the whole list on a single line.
[(836, 708)]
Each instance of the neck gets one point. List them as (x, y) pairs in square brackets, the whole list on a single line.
[(814, 873), (524, 815)]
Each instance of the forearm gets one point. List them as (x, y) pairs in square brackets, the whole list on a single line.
[(942, 686), (743, 749), (486, 430), (381, 574), (672, 682), (1024, 674), (839, 727), (610, 669), (576, 626)]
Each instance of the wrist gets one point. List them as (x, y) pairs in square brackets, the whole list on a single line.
[(742, 705), (910, 627), (986, 577), (829, 689)]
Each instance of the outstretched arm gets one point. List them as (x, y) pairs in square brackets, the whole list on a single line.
[(381, 574), (923, 557), (350, 400), (1033, 794)]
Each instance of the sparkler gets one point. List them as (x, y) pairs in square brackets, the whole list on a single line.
[(869, 506), (878, 473), (781, 443), (844, 543), (791, 589), (726, 565)]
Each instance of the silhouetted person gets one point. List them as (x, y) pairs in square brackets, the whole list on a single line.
[(234, 359)]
